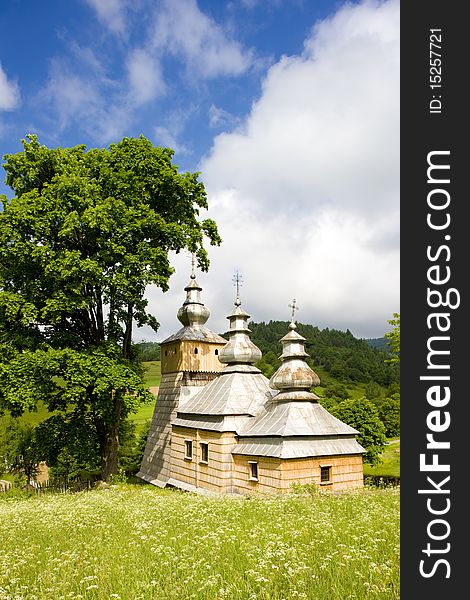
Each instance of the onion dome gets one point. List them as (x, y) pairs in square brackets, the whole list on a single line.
[(239, 349), (294, 378), (193, 313)]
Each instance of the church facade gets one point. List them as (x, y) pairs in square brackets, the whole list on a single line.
[(221, 426)]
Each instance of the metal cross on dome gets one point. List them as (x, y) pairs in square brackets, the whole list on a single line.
[(193, 264), (294, 308), (238, 282)]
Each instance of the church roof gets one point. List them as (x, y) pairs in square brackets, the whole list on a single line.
[(231, 393), (240, 389), (192, 333), (293, 418), (298, 447), (193, 315), (293, 424)]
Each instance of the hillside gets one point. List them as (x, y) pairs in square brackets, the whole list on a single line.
[(379, 343), (347, 359)]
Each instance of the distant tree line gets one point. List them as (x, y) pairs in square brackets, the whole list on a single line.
[(147, 351), (352, 363), (345, 357)]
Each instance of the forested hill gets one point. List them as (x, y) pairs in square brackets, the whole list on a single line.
[(379, 343), (338, 352)]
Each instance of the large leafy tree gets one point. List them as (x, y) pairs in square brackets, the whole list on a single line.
[(19, 452), (363, 415), (393, 338), (84, 235)]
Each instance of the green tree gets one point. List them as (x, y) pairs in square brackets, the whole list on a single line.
[(84, 235), (337, 390), (389, 413), (390, 409), (19, 452), (363, 415), (268, 364), (147, 351), (373, 391), (393, 338)]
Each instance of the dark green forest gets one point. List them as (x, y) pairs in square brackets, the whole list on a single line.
[(345, 357), (359, 384), (147, 351)]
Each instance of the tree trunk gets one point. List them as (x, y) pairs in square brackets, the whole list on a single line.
[(126, 344), (110, 446)]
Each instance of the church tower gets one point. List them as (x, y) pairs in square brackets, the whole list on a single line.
[(189, 360), (204, 430), (295, 439)]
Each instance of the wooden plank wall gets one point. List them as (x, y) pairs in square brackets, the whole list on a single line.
[(231, 473), (157, 454), (180, 356), (346, 471), (217, 474)]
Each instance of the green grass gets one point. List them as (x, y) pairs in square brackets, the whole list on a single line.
[(152, 379), (390, 465), (32, 418), (137, 542), (153, 373)]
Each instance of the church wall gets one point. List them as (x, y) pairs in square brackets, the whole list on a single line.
[(217, 474), (156, 461), (279, 474), (181, 356), (269, 474), (346, 472)]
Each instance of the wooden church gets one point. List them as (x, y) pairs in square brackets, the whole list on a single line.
[(221, 426)]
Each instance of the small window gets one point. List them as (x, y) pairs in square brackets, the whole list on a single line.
[(253, 471), (196, 350), (204, 452), (188, 449), (166, 352), (217, 353), (325, 474)]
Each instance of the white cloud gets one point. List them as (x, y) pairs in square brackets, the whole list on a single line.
[(219, 117), (165, 137), (183, 30), (306, 193), (111, 13), (81, 99), (9, 92), (145, 77)]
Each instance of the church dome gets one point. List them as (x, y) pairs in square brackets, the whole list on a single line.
[(193, 313), (239, 349), (294, 378)]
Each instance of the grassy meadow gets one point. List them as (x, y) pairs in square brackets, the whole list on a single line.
[(390, 465), (137, 542), (152, 376)]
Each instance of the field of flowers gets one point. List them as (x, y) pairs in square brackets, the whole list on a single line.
[(138, 542)]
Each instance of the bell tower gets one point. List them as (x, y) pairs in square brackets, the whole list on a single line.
[(189, 360)]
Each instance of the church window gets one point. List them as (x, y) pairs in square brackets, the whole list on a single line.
[(188, 449), (217, 353), (204, 452), (325, 474), (196, 350), (253, 470)]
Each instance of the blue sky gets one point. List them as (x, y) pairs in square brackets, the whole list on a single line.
[(289, 108)]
